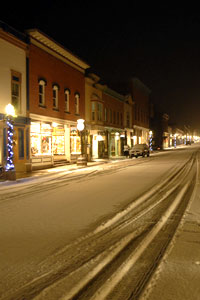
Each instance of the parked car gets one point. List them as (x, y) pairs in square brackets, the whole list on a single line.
[(139, 150)]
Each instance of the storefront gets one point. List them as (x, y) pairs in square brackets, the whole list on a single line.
[(75, 143), (116, 142), (98, 143), (58, 140), (47, 141), (141, 135)]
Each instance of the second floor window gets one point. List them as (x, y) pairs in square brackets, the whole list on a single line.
[(77, 100), (93, 111), (67, 92), (99, 111), (114, 114), (110, 115), (117, 117), (55, 97), (16, 90), (42, 92), (105, 115), (127, 119)]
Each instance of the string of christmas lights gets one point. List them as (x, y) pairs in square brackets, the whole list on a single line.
[(150, 141), (9, 163), (175, 141)]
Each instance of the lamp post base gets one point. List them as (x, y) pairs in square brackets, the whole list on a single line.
[(81, 161), (10, 175)]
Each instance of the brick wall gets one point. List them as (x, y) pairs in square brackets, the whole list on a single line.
[(46, 66), (116, 106), (141, 108)]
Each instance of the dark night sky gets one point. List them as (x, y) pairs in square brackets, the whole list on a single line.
[(160, 46)]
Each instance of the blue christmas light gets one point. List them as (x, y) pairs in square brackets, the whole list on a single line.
[(9, 163), (150, 140)]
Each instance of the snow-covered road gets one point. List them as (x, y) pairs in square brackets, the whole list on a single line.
[(41, 216)]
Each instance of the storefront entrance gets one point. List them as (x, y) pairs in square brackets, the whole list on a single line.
[(101, 149)]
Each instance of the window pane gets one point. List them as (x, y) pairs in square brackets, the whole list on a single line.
[(15, 78), (41, 89)]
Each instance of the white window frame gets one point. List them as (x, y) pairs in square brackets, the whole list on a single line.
[(55, 97), (67, 100), (77, 104), (42, 83)]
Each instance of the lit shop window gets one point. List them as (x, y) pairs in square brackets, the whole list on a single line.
[(58, 139), (42, 85), (75, 141), (41, 138), (67, 93), (77, 100), (16, 90), (55, 96)]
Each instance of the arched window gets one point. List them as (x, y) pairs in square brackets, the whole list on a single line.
[(67, 93), (77, 100), (42, 84), (55, 96)]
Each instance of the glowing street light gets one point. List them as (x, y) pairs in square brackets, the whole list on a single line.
[(80, 124)]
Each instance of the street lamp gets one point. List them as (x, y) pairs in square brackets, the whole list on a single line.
[(10, 168), (81, 161)]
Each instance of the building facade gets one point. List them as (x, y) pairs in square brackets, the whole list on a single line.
[(56, 101), (104, 119), (128, 121), (140, 95), (13, 90)]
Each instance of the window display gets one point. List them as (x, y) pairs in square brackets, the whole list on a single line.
[(46, 145), (58, 140), (41, 138), (75, 141)]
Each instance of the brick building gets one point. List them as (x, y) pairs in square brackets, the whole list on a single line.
[(104, 118), (140, 95), (56, 101)]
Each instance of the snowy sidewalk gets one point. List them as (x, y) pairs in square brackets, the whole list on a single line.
[(178, 276), (69, 167)]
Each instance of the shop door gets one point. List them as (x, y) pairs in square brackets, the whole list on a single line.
[(101, 149)]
